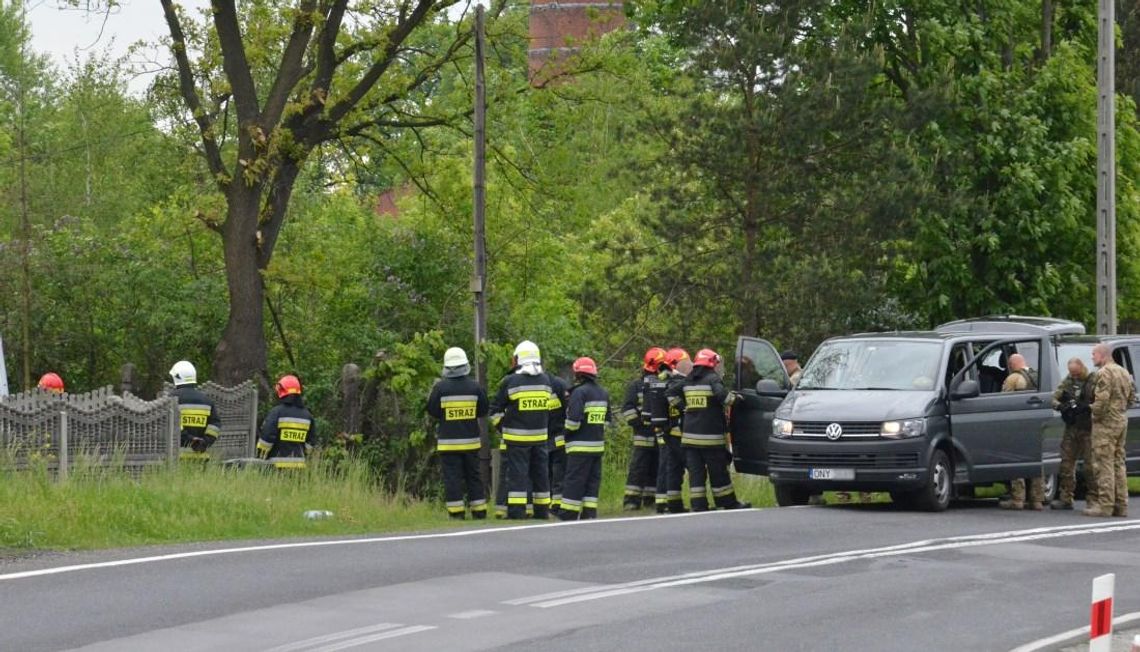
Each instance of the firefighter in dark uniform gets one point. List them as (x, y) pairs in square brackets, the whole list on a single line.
[(703, 432), (556, 441), (521, 411), (586, 416), (667, 421), (288, 432), (197, 415), (641, 482), (457, 402)]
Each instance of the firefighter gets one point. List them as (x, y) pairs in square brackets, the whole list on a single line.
[(51, 382), (556, 440), (288, 432), (199, 418), (703, 432), (457, 402), (586, 417), (667, 421), (641, 482), (521, 411)]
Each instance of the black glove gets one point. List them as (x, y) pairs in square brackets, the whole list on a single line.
[(198, 445)]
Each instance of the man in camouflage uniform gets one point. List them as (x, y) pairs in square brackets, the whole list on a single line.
[(1022, 379), (1113, 392), (1072, 399)]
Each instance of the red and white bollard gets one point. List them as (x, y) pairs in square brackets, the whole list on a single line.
[(1100, 622)]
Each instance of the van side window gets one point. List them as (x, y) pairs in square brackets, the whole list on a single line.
[(992, 369)]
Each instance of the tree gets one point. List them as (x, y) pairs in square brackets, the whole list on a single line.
[(269, 85)]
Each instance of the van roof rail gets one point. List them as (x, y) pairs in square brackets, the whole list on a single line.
[(1013, 324)]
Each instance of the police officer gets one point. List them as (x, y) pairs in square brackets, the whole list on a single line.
[(1072, 399), (197, 414), (521, 410), (641, 482), (288, 432), (1022, 379), (457, 402), (703, 432), (587, 413), (556, 440), (51, 382), (666, 420), (1113, 392)]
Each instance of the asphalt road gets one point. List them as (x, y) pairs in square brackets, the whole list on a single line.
[(836, 578)]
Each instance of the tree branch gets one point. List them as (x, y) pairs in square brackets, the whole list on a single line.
[(291, 69), (235, 63)]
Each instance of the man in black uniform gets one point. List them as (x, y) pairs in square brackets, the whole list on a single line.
[(288, 432), (521, 410), (457, 402), (641, 482), (197, 415), (667, 421), (556, 442), (586, 418), (703, 432)]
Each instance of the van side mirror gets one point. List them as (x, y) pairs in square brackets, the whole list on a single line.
[(768, 387), (966, 389)]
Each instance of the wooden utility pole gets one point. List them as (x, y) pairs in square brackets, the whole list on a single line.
[(479, 277), (25, 217), (1106, 169)]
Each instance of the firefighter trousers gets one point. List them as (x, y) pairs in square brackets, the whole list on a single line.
[(670, 474), (709, 463), (581, 486), (461, 480), (641, 482), (528, 470), (557, 474)]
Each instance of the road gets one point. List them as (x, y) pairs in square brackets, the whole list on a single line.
[(837, 578)]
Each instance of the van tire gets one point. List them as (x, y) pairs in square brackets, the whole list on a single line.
[(791, 495), (935, 496), (1050, 485)]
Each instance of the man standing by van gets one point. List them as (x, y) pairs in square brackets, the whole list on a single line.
[(1113, 392), (1022, 379), (1072, 399)]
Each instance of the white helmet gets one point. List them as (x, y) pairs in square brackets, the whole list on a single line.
[(527, 353), (455, 357), (183, 373)]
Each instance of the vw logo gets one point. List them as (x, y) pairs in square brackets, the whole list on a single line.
[(834, 431)]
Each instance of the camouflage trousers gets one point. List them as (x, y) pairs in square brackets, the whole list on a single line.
[(1036, 490), (1075, 445), (1108, 461)]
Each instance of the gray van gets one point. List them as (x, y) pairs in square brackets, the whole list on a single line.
[(918, 414)]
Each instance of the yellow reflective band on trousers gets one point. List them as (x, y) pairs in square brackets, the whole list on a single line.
[(457, 445), (699, 439), (579, 447), (287, 462), (188, 455)]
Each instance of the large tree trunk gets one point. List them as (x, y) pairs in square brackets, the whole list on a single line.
[(241, 353)]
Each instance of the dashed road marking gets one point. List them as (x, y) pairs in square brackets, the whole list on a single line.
[(365, 640), (298, 646), (473, 614)]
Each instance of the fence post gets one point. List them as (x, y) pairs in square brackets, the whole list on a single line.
[(175, 438), (127, 379), (350, 390), (251, 445), (64, 458)]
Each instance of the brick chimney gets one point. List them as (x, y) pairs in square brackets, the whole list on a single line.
[(558, 29)]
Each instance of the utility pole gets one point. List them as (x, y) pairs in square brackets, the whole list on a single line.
[(1106, 169), (479, 278), (25, 218)]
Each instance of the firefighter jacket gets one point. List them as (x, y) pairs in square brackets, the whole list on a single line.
[(702, 395), (586, 417), (198, 416), (636, 408), (287, 433), (658, 404), (521, 409), (457, 404), (676, 412), (560, 393)]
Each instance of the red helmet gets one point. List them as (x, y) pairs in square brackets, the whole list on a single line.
[(51, 382), (706, 358), (654, 358), (288, 385), (675, 355), (585, 366)]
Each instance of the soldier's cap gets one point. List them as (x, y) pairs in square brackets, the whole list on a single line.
[(789, 355)]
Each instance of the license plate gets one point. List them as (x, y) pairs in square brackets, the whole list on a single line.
[(832, 474)]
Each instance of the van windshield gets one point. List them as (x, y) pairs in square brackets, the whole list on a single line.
[(874, 364)]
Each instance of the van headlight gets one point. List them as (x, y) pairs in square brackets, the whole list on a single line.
[(905, 429), (782, 428)]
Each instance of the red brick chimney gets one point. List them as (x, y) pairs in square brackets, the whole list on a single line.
[(558, 29)]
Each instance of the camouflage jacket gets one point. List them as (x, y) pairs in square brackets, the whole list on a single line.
[(1021, 380), (1079, 391), (1113, 392)]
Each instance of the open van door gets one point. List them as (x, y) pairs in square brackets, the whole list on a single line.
[(763, 381)]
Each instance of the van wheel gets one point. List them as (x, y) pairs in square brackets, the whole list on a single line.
[(935, 496), (791, 496), (1049, 488)]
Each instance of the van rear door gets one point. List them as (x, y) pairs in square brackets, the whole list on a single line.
[(756, 361)]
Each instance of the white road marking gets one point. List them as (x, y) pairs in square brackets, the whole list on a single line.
[(1048, 643), (931, 545), (474, 613), (330, 638), (365, 640), (350, 542)]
